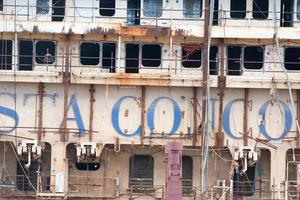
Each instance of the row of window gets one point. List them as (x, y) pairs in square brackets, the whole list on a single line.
[(137, 54)]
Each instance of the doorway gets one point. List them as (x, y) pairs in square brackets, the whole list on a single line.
[(133, 12), (286, 13), (58, 10)]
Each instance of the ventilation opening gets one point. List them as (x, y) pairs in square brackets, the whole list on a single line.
[(5, 54), (1, 5), (234, 60), (107, 7), (132, 58), (58, 10), (153, 8), (87, 166), (187, 174), (286, 13), (45, 52), (192, 8), (260, 9), (109, 56), (213, 61), (151, 55), (133, 12), (244, 183), (22, 181), (216, 13), (25, 55), (191, 56), (253, 57), (292, 58), (42, 6), (89, 53), (141, 172), (238, 9)]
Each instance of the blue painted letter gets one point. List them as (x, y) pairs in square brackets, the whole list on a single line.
[(9, 113), (226, 118)]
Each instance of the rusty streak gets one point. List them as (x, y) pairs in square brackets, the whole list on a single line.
[(195, 108), (41, 93), (143, 114), (245, 118), (92, 100)]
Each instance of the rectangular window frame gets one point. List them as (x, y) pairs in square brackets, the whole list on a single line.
[(10, 56), (35, 55), (201, 48), (148, 12), (298, 9), (42, 8), (263, 13), (192, 16), (100, 64), (1, 6), (284, 51), (105, 9), (233, 14)]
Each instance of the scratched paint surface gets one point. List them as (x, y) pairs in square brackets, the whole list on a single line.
[(117, 113)]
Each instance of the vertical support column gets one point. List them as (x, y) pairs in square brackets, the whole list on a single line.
[(219, 141), (195, 118), (245, 117), (173, 153), (298, 115), (92, 101), (41, 93), (143, 114), (66, 81)]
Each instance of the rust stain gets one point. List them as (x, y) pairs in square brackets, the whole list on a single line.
[(180, 32), (100, 30), (145, 31)]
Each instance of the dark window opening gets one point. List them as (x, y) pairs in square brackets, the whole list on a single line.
[(133, 12), (244, 183), (298, 9), (89, 53), (107, 7), (42, 6), (192, 8), (141, 171), (22, 182), (292, 58), (132, 58), (216, 13), (238, 9), (234, 60), (109, 56), (5, 54), (153, 8), (286, 13), (1, 5), (260, 9), (187, 174), (45, 52), (253, 57), (58, 10), (213, 61), (87, 166), (151, 55), (191, 56), (25, 55)]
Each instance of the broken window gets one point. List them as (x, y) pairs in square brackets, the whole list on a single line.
[(22, 181), (244, 182), (213, 60), (253, 57), (151, 55), (87, 166), (192, 8), (260, 9), (153, 8), (58, 10), (298, 9), (45, 52), (5, 54), (238, 9), (234, 60), (292, 58), (141, 171), (1, 5), (191, 56), (132, 58), (107, 7), (133, 12), (42, 6), (25, 55), (187, 174), (89, 53), (109, 56)]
